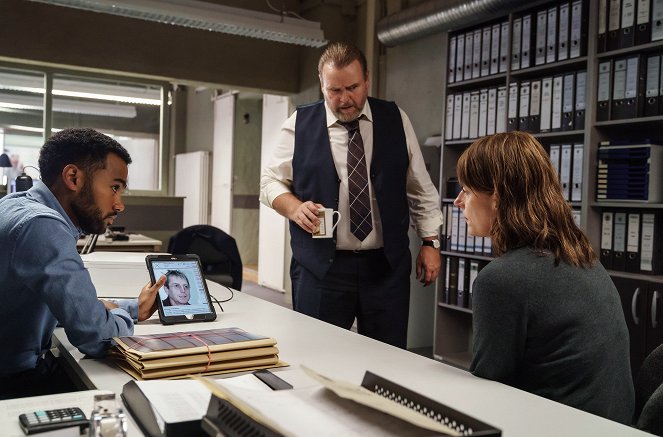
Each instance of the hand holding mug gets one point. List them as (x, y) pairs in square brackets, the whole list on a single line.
[(327, 225)]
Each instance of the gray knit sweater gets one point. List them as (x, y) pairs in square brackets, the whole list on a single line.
[(555, 331)]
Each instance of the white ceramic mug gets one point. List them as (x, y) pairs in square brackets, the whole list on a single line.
[(327, 225)]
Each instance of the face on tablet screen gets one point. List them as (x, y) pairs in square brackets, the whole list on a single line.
[(183, 293)]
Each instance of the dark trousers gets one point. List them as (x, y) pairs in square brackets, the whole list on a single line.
[(362, 285), (48, 377)]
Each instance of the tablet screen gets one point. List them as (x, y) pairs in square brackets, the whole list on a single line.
[(184, 290)]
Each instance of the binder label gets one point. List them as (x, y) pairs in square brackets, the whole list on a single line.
[(535, 99), (558, 84), (541, 32), (500, 123), (613, 19), (504, 46), (653, 74), (546, 103), (567, 105), (604, 82), (563, 39), (581, 86), (451, 71), (483, 112), (643, 12), (492, 108), (603, 18), (495, 49), (526, 42), (485, 52), (448, 131), (576, 29), (515, 43), (633, 237), (619, 243), (576, 177), (524, 99), (632, 74), (647, 246), (619, 84), (513, 100), (606, 231), (628, 13)]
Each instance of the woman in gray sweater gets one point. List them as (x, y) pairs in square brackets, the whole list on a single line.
[(546, 316)]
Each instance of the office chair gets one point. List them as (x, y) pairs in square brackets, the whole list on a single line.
[(217, 251), (649, 393)]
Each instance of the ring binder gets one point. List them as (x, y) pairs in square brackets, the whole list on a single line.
[(223, 418), (433, 409)]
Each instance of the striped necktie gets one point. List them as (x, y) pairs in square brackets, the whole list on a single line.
[(361, 220)]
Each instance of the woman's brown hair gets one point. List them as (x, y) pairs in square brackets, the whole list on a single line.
[(531, 210)]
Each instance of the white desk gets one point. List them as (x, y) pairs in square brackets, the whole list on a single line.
[(136, 243), (12, 408), (346, 355)]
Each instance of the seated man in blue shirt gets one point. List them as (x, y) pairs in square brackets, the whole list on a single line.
[(43, 280)]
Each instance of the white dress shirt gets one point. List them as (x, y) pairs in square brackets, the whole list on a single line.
[(423, 199)]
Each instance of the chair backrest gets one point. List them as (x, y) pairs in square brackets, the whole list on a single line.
[(217, 251), (649, 393), (651, 417)]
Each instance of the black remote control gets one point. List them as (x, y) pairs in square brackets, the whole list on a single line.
[(48, 420), (272, 381)]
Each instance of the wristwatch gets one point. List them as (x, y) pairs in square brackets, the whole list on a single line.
[(432, 243)]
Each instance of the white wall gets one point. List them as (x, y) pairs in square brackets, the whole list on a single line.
[(144, 168), (191, 182), (273, 237), (222, 162), (418, 62)]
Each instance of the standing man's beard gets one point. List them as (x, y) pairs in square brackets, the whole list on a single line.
[(346, 118), (90, 217)]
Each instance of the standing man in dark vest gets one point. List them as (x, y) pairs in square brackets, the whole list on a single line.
[(359, 156)]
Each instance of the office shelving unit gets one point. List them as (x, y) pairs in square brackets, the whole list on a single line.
[(640, 293)]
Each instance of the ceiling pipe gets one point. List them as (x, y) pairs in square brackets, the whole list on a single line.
[(436, 16)]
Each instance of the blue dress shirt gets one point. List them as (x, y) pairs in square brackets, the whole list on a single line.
[(43, 281)]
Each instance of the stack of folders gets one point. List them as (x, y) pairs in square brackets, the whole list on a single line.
[(632, 241), (540, 36), (378, 407), (478, 52), (559, 33), (208, 352), (547, 104), (628, 23), (459, 275), (630, 172), (629, 87), (455, 235), (567, 160)]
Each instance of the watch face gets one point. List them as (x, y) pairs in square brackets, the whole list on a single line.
[(434, 243)]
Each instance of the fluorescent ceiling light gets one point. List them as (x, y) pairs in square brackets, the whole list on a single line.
[(85, 90), (13, 101), (207, 16), (28, 128)]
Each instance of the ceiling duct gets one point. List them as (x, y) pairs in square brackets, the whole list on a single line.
[(436, 16)]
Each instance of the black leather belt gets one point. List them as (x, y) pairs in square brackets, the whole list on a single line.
[(358, 253)]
